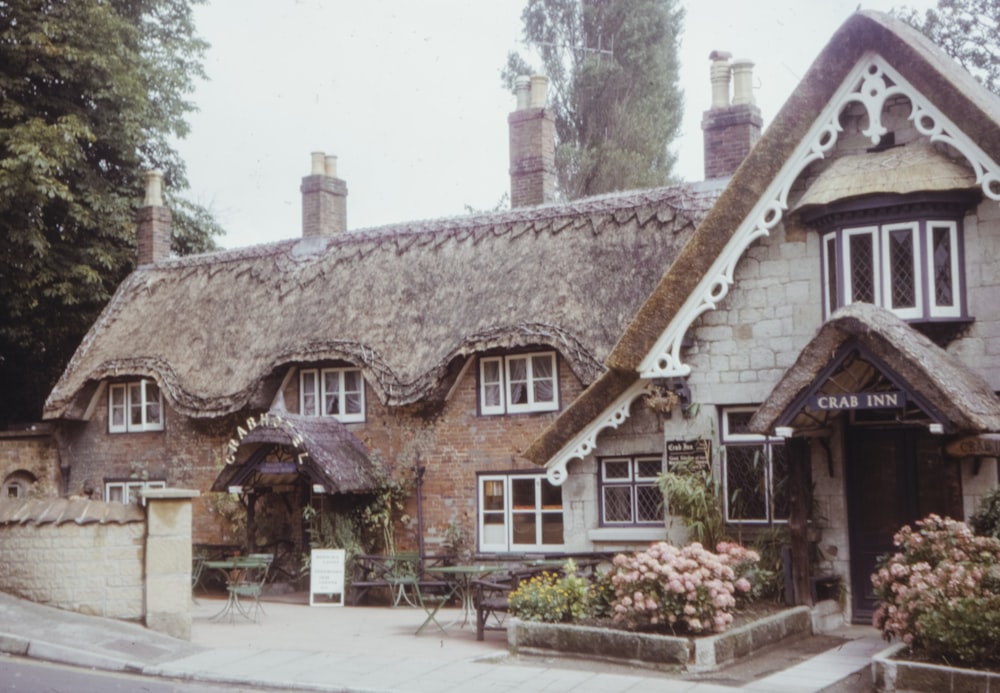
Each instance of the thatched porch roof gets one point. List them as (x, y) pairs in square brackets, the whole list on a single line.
[(958, 399), (401, 302), (321, 449), (973, 109)]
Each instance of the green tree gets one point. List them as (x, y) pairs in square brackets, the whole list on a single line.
[(92, 92), (967, 30), (613, 72)]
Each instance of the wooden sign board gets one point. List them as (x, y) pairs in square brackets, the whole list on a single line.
[(696, 451), (982, 445), (858, 400), (326, 577)]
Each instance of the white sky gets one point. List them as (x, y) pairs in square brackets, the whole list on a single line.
[(407, 95)]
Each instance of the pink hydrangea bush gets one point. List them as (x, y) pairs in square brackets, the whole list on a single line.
[(940, 569), (687, 588)]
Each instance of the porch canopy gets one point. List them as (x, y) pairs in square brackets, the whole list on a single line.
[(865, 350), (276, 449)]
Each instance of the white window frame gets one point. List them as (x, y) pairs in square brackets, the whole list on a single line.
[(632, 482), (489, 533), (127, 492), (926, 307), (502, 365), (920, 279), (730, 439), (316, 393), (935, 310), (134, 397)]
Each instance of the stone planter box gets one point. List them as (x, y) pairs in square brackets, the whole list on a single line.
[(891, 674), (662, 652)]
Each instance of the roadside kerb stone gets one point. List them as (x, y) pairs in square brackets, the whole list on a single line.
[(890, 673)]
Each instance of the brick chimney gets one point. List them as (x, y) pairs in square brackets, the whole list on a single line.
[(324, 198), (731, 128), (532, 145), (153, 223)]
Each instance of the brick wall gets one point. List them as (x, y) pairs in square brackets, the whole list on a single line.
[(31, 454)]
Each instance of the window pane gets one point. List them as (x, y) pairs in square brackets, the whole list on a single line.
[(117, 406), (517, 373), (331, 393), (493, 495), (543, 378), (114, 492), (154, 411), (551, 495), (648, 504), (524, 525), (135, 404), (779, 482), (862, 268), (308, 385), (617, 470), (494, 532), (943, 280), (745, 479), (901, 268), (618, 504), (648, 468), (353, 392), (522, 492), (738, 422), (552, 528)]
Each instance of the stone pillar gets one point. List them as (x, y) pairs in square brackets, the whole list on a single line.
[(324, 198), (532, 145), (168, 560)]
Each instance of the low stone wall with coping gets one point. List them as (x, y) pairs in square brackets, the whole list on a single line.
[(102, 559), (662, 652)]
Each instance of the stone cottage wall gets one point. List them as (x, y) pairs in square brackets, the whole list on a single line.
[(31, 454)]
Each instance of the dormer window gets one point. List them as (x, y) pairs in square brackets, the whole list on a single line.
[(135, 406), (518, 383), (905, 257), (336, 392)]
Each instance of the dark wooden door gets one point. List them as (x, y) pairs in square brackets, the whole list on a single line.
[(894, 477)]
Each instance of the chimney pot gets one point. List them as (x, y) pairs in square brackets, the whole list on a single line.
[(154, 189), (720, 71), (539, 88), (742, 82), (318, 163), (522, 90), (331, 166)]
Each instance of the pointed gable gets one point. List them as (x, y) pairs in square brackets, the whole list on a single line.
[(870, 57)]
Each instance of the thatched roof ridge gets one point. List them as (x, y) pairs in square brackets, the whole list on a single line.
[(401, 302), (959, 96), (963, 398)]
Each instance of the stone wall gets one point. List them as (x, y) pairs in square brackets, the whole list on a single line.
[(30, 458), (102, 559)]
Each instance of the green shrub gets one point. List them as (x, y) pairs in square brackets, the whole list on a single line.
[(550, 598), (964, 632), (986, 520)]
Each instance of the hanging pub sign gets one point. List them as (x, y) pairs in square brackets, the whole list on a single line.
[(858, 400), (697, 451), (982, 445)]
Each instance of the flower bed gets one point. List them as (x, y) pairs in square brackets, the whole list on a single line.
[(894, 674), (664, 652)]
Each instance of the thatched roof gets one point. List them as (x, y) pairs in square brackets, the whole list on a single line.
[(401, 302), (973, 109), (59, 511), (915, 167), (334, 457), (958, 398)]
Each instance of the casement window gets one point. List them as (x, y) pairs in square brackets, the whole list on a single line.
[(909, 267), (337, 392), (135, 406), (755, 471), (18, 484), (519, 512), (518, 383), (628, 491), (128, 491)]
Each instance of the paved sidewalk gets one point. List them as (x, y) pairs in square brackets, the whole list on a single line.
[(374, 650)]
